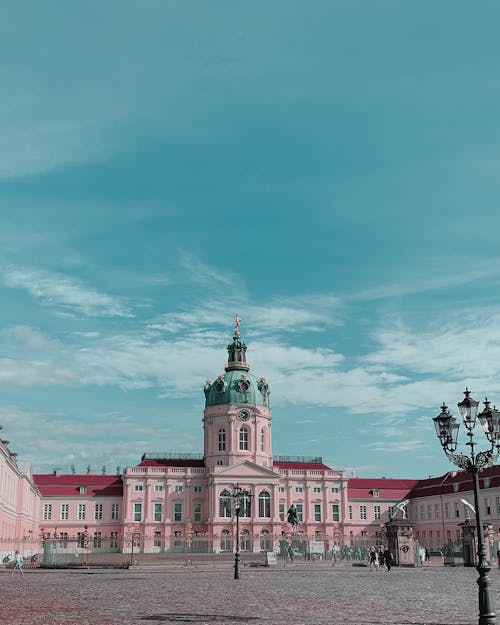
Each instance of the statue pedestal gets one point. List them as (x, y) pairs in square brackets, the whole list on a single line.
[(401, 542)]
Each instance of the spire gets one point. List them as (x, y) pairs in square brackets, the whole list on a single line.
[(237, 350)]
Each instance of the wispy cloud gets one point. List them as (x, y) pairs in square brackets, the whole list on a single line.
[(313, 313), (59, 290), (437, 281)]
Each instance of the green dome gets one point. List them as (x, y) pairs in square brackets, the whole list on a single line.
[(237, 385)]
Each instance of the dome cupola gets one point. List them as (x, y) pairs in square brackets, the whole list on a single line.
[(237, 385)]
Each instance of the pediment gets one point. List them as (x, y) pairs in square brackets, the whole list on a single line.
[(246, 470)]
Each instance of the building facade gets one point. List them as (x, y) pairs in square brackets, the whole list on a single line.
[(20, 502), (175, 502)]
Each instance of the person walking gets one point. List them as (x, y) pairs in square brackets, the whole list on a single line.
[(373, 558), (388, 558), (381, 556), (18, 563)]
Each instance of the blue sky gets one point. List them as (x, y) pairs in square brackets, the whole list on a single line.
[(329, 171)]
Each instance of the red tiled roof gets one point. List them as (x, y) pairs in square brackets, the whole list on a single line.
[(172, 462), (68, 485), (388, 488), (445, 484), (318, 466)]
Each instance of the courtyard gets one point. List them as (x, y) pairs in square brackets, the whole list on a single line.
[(292, 595)]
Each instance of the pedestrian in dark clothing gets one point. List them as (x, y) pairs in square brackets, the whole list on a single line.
[(381, 556), (388, 558)]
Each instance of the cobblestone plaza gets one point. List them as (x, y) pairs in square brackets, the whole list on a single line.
[(293, 595)]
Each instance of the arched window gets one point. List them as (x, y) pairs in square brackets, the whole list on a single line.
[(226, 544), (222, 440), (264, 504), (246, 504), (245, 542), (225, 504), (243, 439), (265, 541)]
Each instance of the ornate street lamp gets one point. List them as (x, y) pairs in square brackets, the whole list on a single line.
[(241, 501), (447, 431)]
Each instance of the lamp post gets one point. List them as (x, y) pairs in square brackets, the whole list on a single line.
[(241, 499), (447, 431)]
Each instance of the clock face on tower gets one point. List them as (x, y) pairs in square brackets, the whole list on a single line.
[(244, 415)]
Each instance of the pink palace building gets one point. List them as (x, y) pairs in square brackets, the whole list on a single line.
[(184, 503)]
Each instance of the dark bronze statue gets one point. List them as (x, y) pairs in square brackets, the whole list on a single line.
[(293, 518)]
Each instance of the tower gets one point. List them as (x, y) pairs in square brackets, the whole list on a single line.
[(237, 417)]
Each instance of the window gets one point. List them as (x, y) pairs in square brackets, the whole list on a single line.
[(197, 489), (446, 510), (225, 504), (115, 511), (226, 543), (245, 543), (299, 489), (317, 512), (316, 489), (220, 463), (47, 512), (486, 482), (436, 511), (362, 513), (82, 511), (456, 486), (97, 540), (282, 510), (197, 512), (222, 440), (498, 504), (157, 512), (64, 512), (300, 512), (422, 516), (376, 513), (245, 507), (281, 489), (429, 512), (138, 511), (375, 493), (178, 488), (335, 512), (158, 488), (243, 439), (350, 513), (264, 504), (113, 543), (265, 541), (335, 489), (262, 440), (138, 488), (82, 490), (457, 511), (487, 508), (177, 511), (98, 511), (157, 539)]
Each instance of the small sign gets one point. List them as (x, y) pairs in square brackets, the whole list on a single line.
[(270, 558)]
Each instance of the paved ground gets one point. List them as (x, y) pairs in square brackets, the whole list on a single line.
[(312, 594)]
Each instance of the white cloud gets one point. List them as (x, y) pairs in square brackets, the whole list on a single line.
[(60, 290)]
